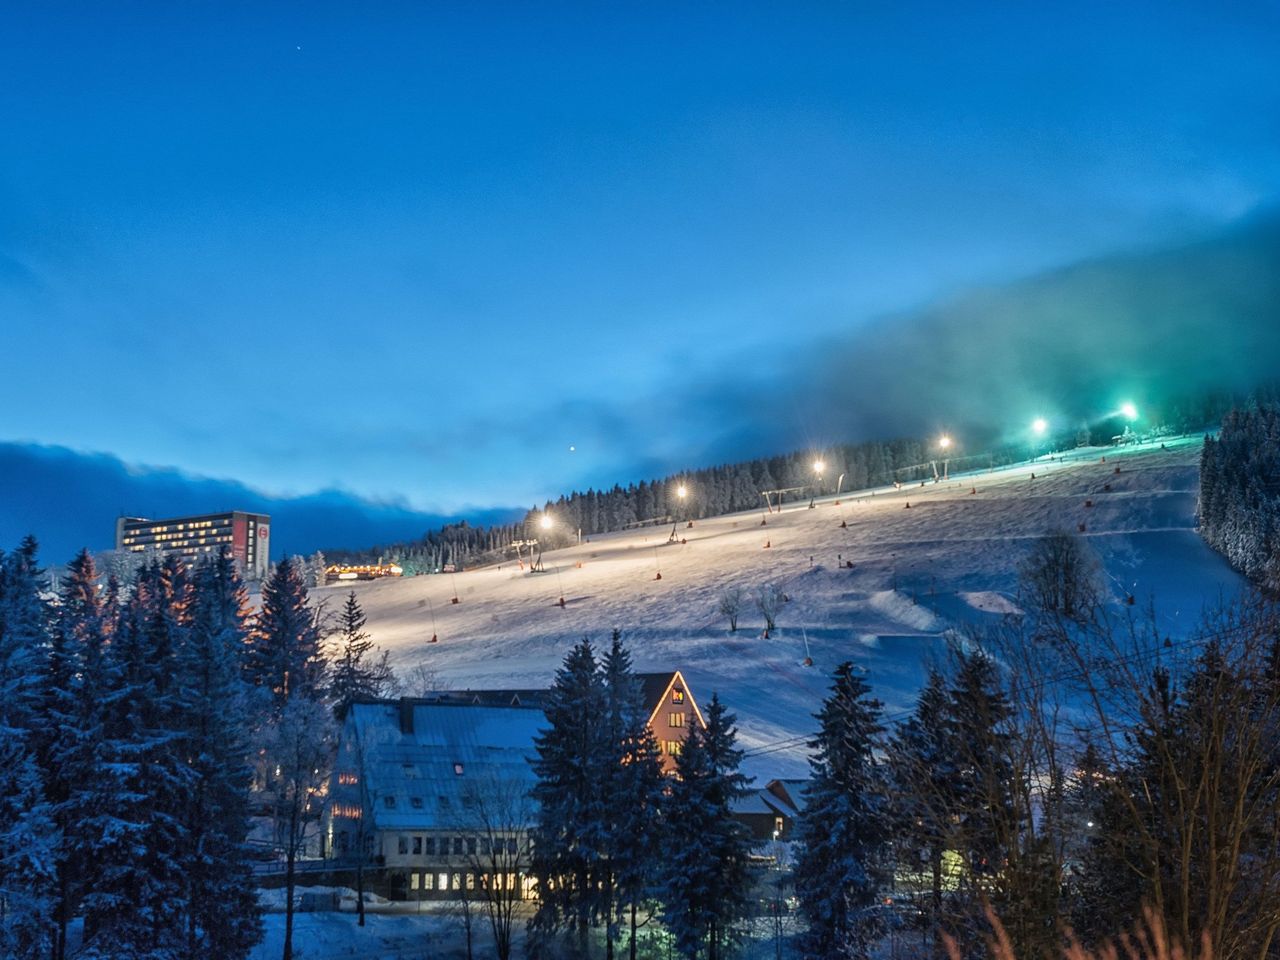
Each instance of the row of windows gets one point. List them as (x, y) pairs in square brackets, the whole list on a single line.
[(672, 748), (460, 846), (173, 547), (172, 542), (675, 719), (454, 881)]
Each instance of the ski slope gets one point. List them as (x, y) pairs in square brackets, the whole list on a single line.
[(947, 559)]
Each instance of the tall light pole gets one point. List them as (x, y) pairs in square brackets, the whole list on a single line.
[(681, 492), (545, 522), (818, 467), (944, 444), (1039, 428)]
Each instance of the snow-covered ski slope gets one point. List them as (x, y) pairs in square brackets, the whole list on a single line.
[(918, 571)]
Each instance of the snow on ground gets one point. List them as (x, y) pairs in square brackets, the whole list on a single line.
[(385, 936), (949, 558)]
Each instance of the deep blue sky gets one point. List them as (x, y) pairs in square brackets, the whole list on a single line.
[(419, 251)]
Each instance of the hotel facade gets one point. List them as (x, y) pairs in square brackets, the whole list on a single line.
[(246, 535)]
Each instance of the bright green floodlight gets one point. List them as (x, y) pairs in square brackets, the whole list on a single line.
[(1039, 425), (1129, 410)]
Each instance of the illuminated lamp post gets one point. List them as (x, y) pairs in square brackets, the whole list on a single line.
[(681, 492), (1039, 429), (818, 467), (944, 444), (545, 522)]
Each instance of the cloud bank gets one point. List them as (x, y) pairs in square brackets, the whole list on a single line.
[(71, 500)]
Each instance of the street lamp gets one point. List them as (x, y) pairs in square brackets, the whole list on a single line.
[(944, 444), (1039, 426), (1129, 410), (681, 492), (546, 523), (818, 467)]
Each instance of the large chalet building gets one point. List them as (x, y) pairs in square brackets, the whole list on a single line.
[(430, 794)]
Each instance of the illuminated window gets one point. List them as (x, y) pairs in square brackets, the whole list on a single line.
[(442, 881), (676, 719), (428, 881), (672, 748), (677, 695), (413, 881), (457, 769)]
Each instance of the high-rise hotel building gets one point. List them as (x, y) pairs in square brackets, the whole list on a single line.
[(246, 535)]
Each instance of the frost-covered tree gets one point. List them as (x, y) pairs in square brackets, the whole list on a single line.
[(27, 837), (133, 905), (633, 787), (282, 657), (1239, 501), (730, 605), (220, 899), (355, 670), (842, 861), (568, 833), (984, 821), (76, 674), (769, 600), (707, 849), (1062, 577), (922, 767), (296, 757)]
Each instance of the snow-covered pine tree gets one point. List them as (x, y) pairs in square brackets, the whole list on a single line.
[(633, 785), (569, 829), (842, 862), (922, 769), (75, 672), (27, 838), (706, 875), (985, 824), (282, 656), (353, 672), (133, 905), (220, 898)]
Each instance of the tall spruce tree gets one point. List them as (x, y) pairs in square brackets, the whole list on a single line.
[(984, 823), (634, 792), (922, 767), (706, 877), (569, 830), (76, 672), (842, 863), (27, 838), (354, 673), (220, 897), (282, 657), (133, 906)]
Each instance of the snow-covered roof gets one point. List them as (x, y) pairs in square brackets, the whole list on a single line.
[(426, 763)]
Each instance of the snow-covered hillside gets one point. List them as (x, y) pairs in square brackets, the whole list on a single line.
[(950, 557)]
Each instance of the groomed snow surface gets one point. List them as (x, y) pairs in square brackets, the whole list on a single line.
[(948, 559)]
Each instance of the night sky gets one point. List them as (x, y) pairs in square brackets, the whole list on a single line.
[(459, 258)]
